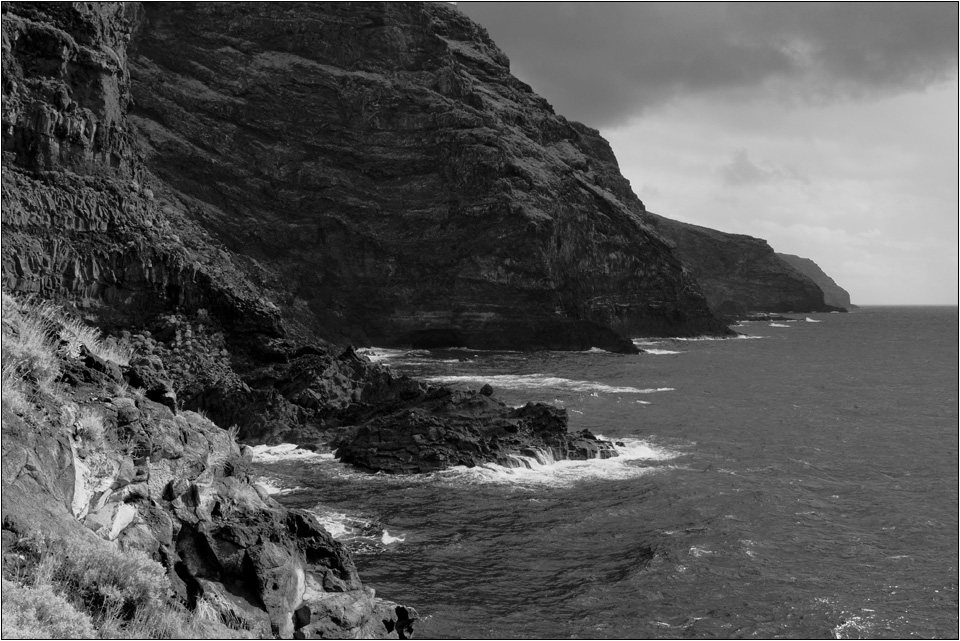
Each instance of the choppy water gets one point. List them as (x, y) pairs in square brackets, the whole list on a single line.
[(800, 485)]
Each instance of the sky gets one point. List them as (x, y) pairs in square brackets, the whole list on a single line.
[(828, 129)]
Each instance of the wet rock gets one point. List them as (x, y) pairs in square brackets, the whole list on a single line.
[(443, 428)]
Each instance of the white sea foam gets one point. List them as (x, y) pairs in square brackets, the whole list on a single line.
[(694, 339), (778, 325), (384, 355), (810, 320), (659, 352), (386, 539), (273, 486), (543, 470), (284, 452), (540, 381)]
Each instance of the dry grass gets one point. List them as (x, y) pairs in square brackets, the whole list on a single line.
[(78, 589)]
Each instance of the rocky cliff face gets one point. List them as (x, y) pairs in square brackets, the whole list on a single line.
[(397, 183), (833, 294), (343, 171), (740, 274), (93, 458)]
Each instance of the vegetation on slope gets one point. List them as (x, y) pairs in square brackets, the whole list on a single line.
[(82, 586)]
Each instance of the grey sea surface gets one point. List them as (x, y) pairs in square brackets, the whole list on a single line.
[(798, 482)]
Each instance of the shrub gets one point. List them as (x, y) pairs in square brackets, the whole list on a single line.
[(39, 612), (84, 590), (89, 427), (104, 579)]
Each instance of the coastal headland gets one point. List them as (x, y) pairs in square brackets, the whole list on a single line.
[(205, 208)]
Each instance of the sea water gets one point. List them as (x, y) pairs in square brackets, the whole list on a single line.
[(798, 482)]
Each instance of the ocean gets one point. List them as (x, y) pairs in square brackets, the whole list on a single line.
[(800, 481)]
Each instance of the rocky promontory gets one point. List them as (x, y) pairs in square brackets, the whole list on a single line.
[(833, 294), (741, 274)]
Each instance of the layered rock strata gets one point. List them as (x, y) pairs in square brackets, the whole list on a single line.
[(399, 184), (740, 274), (97, 215)]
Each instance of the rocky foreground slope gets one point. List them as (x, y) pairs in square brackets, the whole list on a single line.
[(741, 274)]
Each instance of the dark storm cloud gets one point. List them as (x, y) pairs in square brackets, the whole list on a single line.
[(606, 62)]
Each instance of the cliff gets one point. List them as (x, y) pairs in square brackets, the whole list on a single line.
[(226, 189), (833, 294), (740, 274), (397, 185)]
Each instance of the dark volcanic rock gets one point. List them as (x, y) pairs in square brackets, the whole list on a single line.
[(833, 294), (402, 187), (740, 274), (442, 429), (175, 487)]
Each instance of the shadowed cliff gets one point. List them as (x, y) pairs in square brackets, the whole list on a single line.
[(833, 294), (398, 184), (740, 274)]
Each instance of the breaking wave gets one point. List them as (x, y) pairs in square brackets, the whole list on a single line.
[(636, 457), (540, 381), (285, 452), (357, 532)]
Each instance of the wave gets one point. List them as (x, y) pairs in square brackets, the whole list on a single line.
[(284, 452), (778, 325), (539, 381), (693, 339), (658, 352), (356, 532), (542, 470), (810, 320), (382, 354), (273, 487)]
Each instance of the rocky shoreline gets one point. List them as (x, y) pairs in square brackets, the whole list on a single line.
[(236, 192)]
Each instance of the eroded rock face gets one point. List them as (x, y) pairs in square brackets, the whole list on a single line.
[(439, 428), (833, 294), (740, 274), (176, 486), (404, 188), (66, 87)]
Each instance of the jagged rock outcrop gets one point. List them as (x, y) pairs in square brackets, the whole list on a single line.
[(833, 294), (740, 274), (399, 184), (441, 429), (95, 459)]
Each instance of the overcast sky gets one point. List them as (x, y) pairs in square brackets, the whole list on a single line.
[(830, 130)]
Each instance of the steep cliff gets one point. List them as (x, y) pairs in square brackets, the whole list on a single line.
[(347, 171), (833, 294), (397, 183), (740, 274)]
